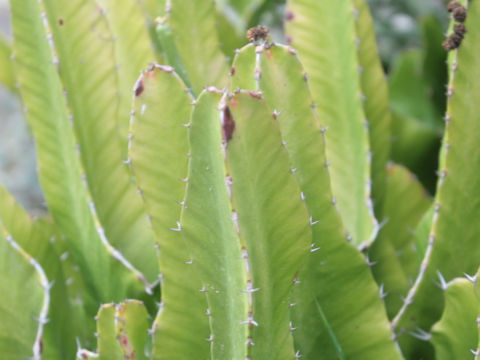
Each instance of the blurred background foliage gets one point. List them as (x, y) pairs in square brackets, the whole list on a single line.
[(409, 34)]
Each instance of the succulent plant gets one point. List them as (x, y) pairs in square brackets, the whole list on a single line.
[(207, 210)]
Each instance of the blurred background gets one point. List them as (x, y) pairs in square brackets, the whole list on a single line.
[(409, 34)]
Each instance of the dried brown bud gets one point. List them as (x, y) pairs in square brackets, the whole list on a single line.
[(457, 39), (448, 45), (459, 14), (460, 29), (453, 5), (258, 33), (452, 42)]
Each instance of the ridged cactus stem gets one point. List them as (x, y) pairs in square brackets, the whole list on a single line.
[(116, 254), (455, 335), (92, 84), (449, 255), (249, 322), (210, 231), (477, 350), (453, 62), (316, 283), (121, 332), (158, 156), (7, 76), (42, 318), (51, 129), (375, 100), (270, 214), (335, 87), (167, 41)]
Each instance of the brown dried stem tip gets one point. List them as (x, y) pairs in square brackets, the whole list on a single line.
[(452, 5), (460, 30), (452, 42), (459, 14), (258, 34)]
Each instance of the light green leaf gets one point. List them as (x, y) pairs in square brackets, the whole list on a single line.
[(455, 336), (245, 7), (108, 346), (409, 91), (158, 154), (393, 252), (332, 67), (133, 53), (272, 219), (209, 231), (25, 301), (415, 144), (122, 331), (85, 47), (434, 61), (166, 40), (153, 9), (42, 240), (321, 332), (193, 25), (230, 39), (131, 326), (422, 233), (376, 101), (59, 166), (7, 77), (453, 247)]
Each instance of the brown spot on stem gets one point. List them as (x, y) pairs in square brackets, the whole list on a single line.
[(254, 94), (151, 74), (228, 124), (124, 340), (232, 73), (139, 88), (60, 22), (289, 16), (234, 100)]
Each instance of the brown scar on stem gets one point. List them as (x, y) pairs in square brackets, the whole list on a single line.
[(289, 16), (151, 74), (254, 94), (232, 72), (139, 88), (228, 124), (60, 22)]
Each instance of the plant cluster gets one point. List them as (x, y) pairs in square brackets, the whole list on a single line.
[(235, 204)]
